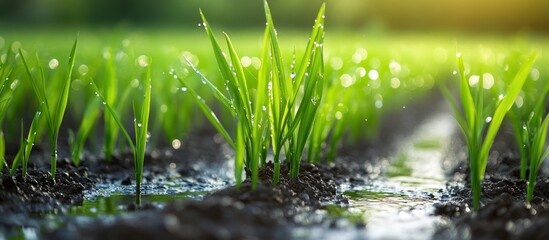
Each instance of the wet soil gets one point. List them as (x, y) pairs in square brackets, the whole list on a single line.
[(231, 213), (504, 213)]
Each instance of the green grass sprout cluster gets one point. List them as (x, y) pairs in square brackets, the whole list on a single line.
[(529, 122), (6, 92), (282, 111), (479, 120), (54, 113), (141, 125)]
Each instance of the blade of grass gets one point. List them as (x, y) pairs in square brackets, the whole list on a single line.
[(88, 120), (141, 128), (501, 110)]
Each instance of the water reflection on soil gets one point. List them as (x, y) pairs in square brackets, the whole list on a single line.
[(399, 204)]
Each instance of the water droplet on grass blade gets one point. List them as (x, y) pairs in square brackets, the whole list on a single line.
[(184, 89), (488, 119), (53, 64), (139, 125), (14, 84)]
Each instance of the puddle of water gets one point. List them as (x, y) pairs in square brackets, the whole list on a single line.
[(108, 200), (399, 204), (117, 204)]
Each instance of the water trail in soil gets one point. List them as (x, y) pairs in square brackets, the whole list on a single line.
[(399, 203)]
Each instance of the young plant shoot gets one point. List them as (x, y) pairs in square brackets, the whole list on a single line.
[(25, 148), (76, 142), (141, 124), (530, 127), (6, 70), (54, 118), (479, 123), (273, 115)]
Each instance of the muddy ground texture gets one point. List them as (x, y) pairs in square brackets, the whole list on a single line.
[(504, 213), (230, 213), (269, 212)]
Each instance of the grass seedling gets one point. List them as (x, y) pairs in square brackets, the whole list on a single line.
[(251, 121), (55, 117), (76, 142), (530, 129), (478, 123), (141, 123), (6, 70), (293, 113), (274, 107), (111, 91), (25, 148)]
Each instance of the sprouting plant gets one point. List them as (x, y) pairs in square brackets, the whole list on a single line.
[(25, 148), (331, 123), (111, 91), (251, 121), (76, 142), (530, 127), (292, 113), (54, 118), (279, 114), (6, 69), (141, 124), (479, 123)]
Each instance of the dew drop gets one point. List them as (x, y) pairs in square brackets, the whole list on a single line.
[(292, 75), (53, 64)]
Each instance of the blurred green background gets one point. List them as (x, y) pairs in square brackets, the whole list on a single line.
[(447, 15)]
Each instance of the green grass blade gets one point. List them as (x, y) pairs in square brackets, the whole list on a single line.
[(210, 115), (61, 107), (240, 154), (506, 103), (218, 95), (64, 98), (113, 113), (465, 94), (111, 91), (141, 128), (455, 109), (2, 151), (241, 78), (31, 137), (20, 153), (88, 120), (39, 91), (538, 146)]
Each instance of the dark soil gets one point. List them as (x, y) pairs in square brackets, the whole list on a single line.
[(231, 213), (39, 193), (504, 213)]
